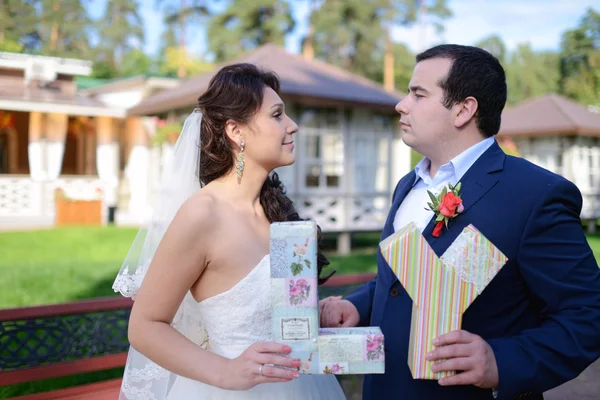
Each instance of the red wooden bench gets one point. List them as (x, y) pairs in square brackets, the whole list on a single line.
[(81, 337), (44, 342)]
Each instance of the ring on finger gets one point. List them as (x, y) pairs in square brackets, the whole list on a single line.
[(260, 368)]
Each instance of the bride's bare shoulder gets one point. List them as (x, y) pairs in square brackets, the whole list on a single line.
[(199, 211)]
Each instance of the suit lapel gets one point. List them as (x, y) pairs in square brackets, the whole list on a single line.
[(402, 190), (385, 272), (476, 182)]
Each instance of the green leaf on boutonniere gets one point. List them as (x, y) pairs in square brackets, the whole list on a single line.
[(432, 197), (439, 218), (444, 191), (457, 188), (431, 207)]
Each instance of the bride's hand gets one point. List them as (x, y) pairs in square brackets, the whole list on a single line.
[(244, 372)]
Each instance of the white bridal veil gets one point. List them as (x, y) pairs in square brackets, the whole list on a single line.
[(143, 379)]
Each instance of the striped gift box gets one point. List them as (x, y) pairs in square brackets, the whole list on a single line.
[(441, 288)]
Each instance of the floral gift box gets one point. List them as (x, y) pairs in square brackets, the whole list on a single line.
[(295, 305)]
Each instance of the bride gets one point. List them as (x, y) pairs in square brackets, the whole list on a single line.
[(200, 326)]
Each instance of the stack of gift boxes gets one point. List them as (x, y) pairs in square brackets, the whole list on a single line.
[(295, 304)]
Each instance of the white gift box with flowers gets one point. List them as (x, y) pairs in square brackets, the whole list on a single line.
[(295, 305)]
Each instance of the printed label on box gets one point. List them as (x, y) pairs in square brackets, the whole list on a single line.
[(295, 328), (341, 348)]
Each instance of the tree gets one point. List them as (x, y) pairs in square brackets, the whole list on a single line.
[(103, 70), (350, 35), (168, 41), (531, 74), (495, 46), (356, 34), (580, 60), (121, 31), (178, 15), (10, 46), (18, 19), (245, 25), (63, 28), (176, 60), (136, 62), (404, 64), (408, 12)]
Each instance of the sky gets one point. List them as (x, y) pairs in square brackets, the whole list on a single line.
[(538, 22)]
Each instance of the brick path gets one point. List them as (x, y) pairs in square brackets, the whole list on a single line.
[(585, 387)]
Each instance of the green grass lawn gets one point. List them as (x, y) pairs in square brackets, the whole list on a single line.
[(68, 264), (60, 265)]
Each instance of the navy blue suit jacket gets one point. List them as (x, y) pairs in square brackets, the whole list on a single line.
[(540, 314)]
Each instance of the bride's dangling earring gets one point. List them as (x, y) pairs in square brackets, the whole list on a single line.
[(240, 161)]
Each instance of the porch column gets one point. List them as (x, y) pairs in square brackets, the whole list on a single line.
[(344, 243), (137, 169), (37, 146), (88, 145), (79, 128), (107, 158), (56, 132)]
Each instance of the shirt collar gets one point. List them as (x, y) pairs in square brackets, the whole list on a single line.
[(459, 165)]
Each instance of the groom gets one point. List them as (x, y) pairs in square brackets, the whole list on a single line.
[(537, 324)]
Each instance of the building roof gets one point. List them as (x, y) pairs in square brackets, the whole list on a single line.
[(303, 79), (549, 115), (40, 65), (19, 97), (86, 82), (125, 83)]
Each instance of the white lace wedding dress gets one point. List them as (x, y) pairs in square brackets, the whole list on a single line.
[(234, 320)]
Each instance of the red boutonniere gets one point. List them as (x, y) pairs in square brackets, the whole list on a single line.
[(445, 206)]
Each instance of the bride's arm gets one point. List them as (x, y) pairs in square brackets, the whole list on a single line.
[(179, 261)]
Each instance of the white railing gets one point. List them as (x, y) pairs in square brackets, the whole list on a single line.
[(25, 202), (344, 213), (591, 205), (20, 196)]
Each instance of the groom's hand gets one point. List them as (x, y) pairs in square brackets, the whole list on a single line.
[(335, 313), (469, 355)]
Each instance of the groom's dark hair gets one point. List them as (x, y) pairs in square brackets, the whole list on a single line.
[(477, 73)]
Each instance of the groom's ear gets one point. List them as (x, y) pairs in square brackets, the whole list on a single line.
[(465, 112)]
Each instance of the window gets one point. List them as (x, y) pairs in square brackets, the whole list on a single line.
[(593, 164), (371, 160), (323, 144)]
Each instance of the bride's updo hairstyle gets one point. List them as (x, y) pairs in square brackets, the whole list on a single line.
[(236, 93)]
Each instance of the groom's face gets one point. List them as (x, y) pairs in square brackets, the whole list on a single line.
[(426, 123)]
